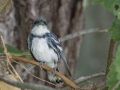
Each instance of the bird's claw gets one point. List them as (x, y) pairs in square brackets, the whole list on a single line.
[(54, 70), (41, 64)]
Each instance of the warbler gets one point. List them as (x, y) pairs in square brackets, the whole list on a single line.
[(45, 48)]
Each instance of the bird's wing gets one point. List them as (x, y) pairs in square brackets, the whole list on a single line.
[(29, 41), (54, 43)]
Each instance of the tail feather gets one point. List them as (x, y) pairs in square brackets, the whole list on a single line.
[(66, 65)]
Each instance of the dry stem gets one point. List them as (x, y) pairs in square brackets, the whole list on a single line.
[(8, 61)]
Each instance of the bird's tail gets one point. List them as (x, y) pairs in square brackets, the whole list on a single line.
[(53, 78), (66, 65)]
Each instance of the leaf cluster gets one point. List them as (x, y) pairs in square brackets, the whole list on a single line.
[(113, 76)]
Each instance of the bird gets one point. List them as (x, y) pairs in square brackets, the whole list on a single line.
[(45, 48)]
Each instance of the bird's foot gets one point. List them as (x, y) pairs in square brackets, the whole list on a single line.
[(41, 64), (59, 80), (54, 70)]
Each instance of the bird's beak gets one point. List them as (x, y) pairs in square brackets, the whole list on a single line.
[(41, 23)]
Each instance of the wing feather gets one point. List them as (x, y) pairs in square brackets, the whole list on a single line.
[(30, 37), (54, 43)]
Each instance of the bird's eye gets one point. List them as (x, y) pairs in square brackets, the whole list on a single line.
[(36, 22)]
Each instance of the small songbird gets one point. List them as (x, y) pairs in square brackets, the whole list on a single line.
[(45, 47)]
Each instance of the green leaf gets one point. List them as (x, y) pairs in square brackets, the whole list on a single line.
[(115, 30), (112, 5), (114, 74), (15, 51)]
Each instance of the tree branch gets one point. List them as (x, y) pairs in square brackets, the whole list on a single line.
[(33, 75), (110, 54), (78, 33), (85, 78), (66, 80), (25, 85)]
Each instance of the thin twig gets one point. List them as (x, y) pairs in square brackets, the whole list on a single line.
[(8, 60), (85, 78), (78, 33), (66, 80), (34, 75), (25, 86), (116, 85), (3, 65), (25, 73)]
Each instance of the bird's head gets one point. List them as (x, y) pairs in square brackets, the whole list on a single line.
[(39, 26), (39, 22)]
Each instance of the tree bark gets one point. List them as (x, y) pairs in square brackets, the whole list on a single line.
[(63, 17)]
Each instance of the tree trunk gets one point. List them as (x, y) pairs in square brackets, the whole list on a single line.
[(63, 17)]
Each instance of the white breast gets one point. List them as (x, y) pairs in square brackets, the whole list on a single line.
[(42, 52), (39, 30)]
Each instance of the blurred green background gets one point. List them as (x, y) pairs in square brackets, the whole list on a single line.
[(94, 48)]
